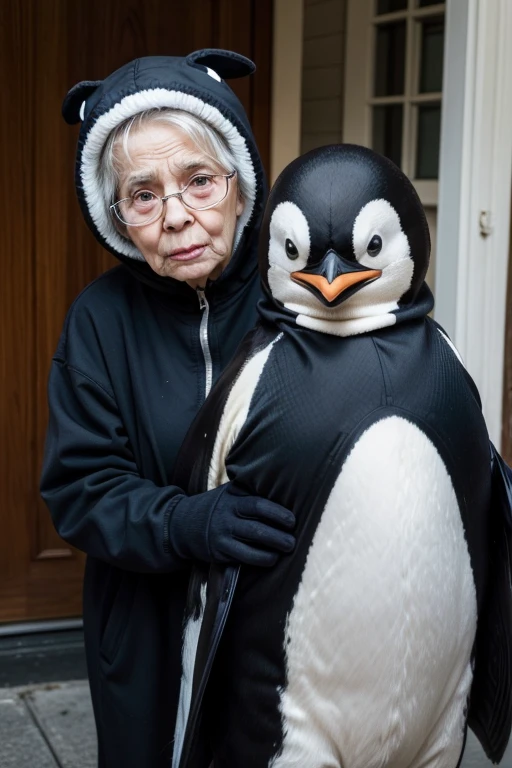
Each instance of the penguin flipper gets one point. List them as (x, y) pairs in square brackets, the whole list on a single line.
[(490, 710)]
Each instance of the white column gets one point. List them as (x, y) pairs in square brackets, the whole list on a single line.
[(474, 191)]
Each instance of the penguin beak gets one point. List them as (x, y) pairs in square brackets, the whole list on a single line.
[(335, 278)]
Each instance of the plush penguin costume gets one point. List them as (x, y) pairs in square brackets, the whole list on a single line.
[(347, 404)]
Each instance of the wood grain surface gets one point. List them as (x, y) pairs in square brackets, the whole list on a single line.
[(47, 253)]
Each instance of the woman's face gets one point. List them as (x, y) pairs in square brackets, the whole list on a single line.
[(184, 244)]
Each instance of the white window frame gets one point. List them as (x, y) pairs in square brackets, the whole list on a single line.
[(359, 72)]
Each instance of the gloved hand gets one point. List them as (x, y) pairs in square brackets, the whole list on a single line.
[(226, 525)]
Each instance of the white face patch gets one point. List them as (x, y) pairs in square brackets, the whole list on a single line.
[(379, 219), (372, 306), (213, 74), (288, 251)]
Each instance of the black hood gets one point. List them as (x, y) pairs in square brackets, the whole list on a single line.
[(345, 213), (193, 84)]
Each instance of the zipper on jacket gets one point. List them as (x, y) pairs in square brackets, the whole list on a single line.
[(203, 336)]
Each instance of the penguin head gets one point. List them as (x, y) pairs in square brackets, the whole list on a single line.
[(345, 242)]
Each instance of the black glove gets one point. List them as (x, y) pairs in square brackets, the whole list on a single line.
[(226, 525)]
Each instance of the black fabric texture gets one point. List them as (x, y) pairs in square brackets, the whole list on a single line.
[(225, 525), (126, 381), (318, 395)]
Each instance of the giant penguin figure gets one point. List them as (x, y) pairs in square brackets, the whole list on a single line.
[(349, 405)]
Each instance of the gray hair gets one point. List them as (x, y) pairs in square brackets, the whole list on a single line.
[(205, 137)]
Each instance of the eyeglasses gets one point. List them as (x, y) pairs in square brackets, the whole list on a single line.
[(202, 191)]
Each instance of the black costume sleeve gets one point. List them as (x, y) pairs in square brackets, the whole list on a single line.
[(98, 501)]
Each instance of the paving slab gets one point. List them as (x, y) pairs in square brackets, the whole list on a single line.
[(52, 726), (21, 743), (474, 756), (64, 714)]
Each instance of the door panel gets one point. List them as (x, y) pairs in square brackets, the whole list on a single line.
[(47, 253)]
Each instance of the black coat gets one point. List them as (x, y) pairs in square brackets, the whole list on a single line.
[(126, 381)]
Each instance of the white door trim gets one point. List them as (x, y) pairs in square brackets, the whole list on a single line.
[(475, 177)]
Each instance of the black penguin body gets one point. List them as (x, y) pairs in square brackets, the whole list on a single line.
[(356, 650)]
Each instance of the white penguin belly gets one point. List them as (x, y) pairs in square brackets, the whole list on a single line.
[(379, 637)]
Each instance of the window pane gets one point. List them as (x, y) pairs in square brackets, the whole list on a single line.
[(388, 6), (431, 70), (387, 131), (390, 60), (429, 134), (424, 3)]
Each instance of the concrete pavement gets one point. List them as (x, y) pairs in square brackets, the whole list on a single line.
[(52, 726), (47, 726)]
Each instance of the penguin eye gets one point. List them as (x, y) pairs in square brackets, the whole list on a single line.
[(374, 246), (291, 250)]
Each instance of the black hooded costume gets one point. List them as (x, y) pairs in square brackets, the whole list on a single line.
[(136, 357), (350, 406)]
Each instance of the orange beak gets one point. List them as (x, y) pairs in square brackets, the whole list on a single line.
[(331, 291)]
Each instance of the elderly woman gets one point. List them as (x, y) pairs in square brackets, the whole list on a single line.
[(169, 180)]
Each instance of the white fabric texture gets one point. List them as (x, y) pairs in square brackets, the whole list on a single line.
[(378, 641), (235, 413), (190, 641)]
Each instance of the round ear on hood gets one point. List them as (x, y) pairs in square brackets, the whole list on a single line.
[(72, 104), (227, 64)]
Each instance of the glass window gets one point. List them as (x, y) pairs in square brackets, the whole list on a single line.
[(390, 60), (429, 132), (387, 131), (407, 79), (431, 56), (388, 6)]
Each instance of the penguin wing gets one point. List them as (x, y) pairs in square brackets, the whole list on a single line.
[(490, 712)]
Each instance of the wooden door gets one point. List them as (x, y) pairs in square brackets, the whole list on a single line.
[(47, 253)]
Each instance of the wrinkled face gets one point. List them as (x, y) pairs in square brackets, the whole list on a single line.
[(184, 244)]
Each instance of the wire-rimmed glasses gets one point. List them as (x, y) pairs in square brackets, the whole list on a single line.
[(202, 191)]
